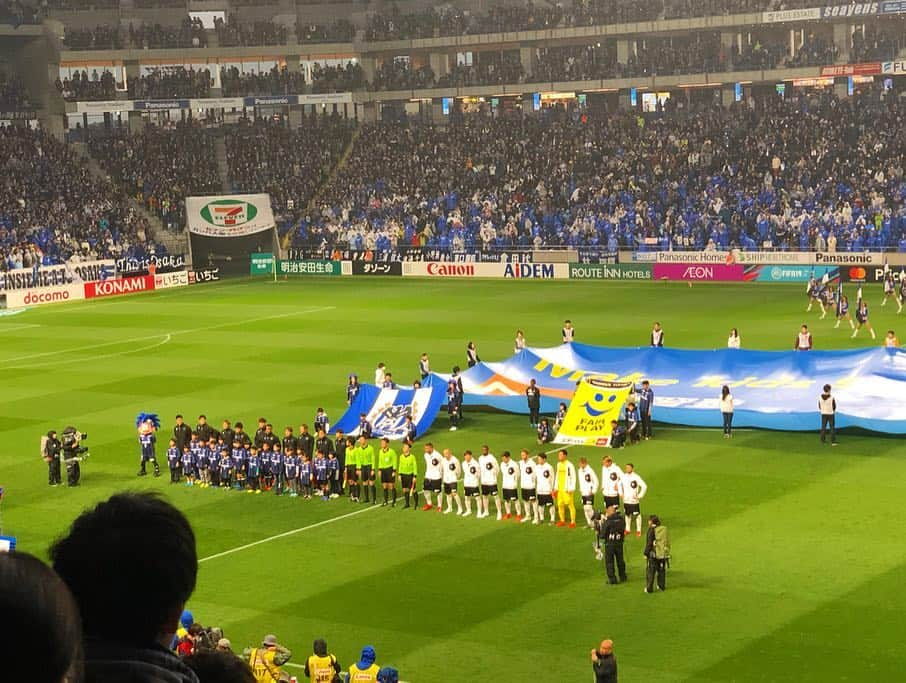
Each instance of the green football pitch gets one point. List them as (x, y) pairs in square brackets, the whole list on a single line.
[(788, 556)]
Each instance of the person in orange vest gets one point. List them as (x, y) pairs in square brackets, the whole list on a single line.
[(266, 660)]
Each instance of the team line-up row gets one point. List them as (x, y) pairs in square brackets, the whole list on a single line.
[(522, 488)]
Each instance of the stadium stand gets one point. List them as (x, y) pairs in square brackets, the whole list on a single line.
[(13, 95), (189, 33), (100, 86), (268, 156), (278, 81), (52, 209), (326, 78), (169, 82), (101, 37), (340, 31), (236, 33), (18, 13), (161, 166), (782, 171)]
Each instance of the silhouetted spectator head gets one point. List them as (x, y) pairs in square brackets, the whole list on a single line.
[(42, 618), (131, 565), (219, 667)]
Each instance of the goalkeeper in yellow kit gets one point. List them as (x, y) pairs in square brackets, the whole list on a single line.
[(566, 489)]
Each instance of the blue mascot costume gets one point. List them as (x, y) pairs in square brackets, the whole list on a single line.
[(147, 425)]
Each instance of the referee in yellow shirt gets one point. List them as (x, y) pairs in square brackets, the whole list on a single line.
[(408, 469)]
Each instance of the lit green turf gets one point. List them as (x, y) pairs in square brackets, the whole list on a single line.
[(788, 556)]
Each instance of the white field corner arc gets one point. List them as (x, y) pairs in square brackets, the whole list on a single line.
[(235, 215)]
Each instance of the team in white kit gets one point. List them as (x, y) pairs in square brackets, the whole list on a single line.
[(524, 489)]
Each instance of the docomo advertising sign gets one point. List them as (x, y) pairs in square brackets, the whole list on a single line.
[(510, 271), (702, 272), (45, 295), (126, 285)]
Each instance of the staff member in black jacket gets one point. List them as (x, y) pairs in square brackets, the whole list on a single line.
[(604, 663), (52, 448), (204, 430), (612, 532), (182, 434), (533, 396)]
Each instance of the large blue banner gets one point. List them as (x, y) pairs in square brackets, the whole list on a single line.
[(387, 409), (771, 389)]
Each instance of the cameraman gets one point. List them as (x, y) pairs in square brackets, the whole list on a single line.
[(72, 451), (52, 448), (611, 531)]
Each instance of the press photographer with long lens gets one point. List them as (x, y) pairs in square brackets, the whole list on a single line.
[(610, 527), (73, 454)]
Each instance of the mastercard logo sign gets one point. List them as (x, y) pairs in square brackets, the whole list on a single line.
[(857, 273)]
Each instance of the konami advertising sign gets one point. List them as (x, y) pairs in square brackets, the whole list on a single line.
[(126, 285)]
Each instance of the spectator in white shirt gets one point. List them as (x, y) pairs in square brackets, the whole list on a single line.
[(733, 341)]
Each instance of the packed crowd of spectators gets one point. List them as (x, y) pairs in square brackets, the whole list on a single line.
[(338, 78), (17, 13), (575, 63), (446, 20), (189, 33), (398, 74), (169, 82), (775, 170), (79, 86), (290, 164), (488, 68), (278, 81), (232, 33), (161, 166), (878, 41), (101, 37), (814, 51), (340, 31), (52, 210), (13, 95)]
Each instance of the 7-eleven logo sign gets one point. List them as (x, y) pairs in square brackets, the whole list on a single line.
[(228, 212)]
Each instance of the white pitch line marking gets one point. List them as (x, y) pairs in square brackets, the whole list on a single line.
[(285, 534), (165, 340), (13, 328), (4, 361)]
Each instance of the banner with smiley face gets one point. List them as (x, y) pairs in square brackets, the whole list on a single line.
[(594, 407)]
